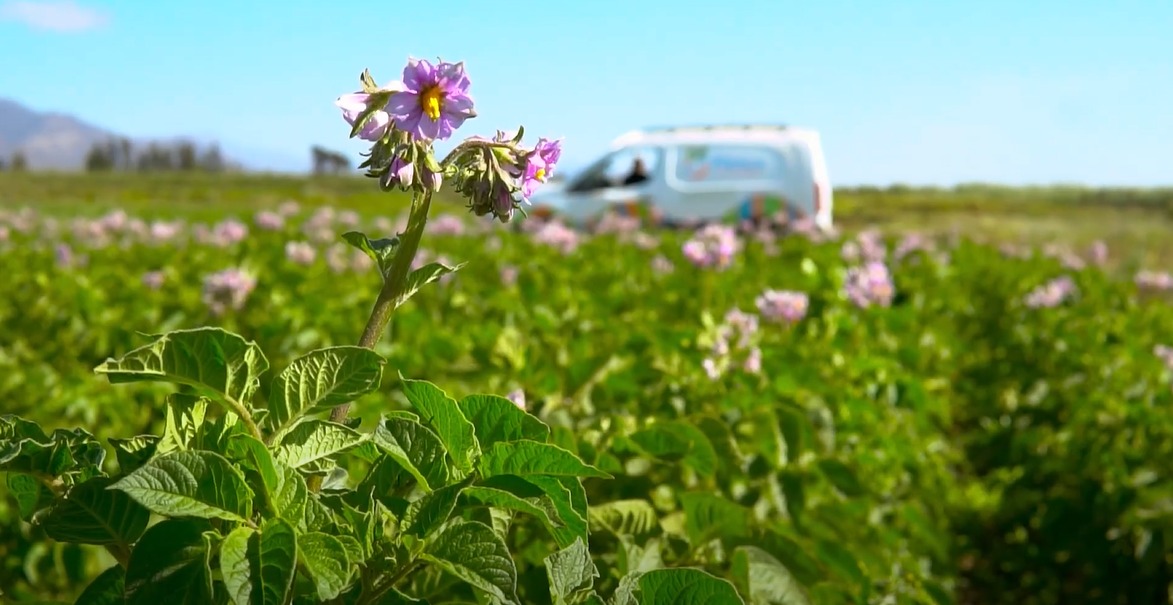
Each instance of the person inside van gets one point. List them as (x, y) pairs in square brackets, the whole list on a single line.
[(639, 173)]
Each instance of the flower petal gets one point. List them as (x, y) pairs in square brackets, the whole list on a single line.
[(403, 104), (411, 74), (459, 104), (430, 129)]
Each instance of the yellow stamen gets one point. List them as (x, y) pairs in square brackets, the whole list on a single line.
[(540, 174), (430, 102)]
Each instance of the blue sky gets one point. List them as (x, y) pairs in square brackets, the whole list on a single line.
[(907, 91)]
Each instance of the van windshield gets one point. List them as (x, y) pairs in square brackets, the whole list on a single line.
[(629, 167)]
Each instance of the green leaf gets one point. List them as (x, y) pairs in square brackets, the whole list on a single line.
[(570, 571), (30, 494), (210, 359), (839, 558), (326, 559), (249, 450), (842, 477), (441, 412), (472, 552), (190, 484), (636, 518), (106, 589), (426, 274), (258, 567), (684, 586), (708, 516), (675, 441), (414, 448), (382, 251), (25, 448), (568, 496), (427, 514), (321, 380), (92, 514), (181, 427), (524, 458), (498, 419), (729, 454), (765, 580), (313, 440), (535, 503), (133, 452), (170, 565), (794, 490), (290, 499)]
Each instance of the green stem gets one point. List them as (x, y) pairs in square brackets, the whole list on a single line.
[(120, 554), (390, 296), (382, 588)]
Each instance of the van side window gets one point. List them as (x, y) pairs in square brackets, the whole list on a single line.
[(725, 163), (625, 168)]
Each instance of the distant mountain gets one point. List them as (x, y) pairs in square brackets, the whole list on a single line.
[(56, 141), (48, 140)]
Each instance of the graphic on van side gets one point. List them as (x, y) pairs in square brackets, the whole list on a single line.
[(756, 206), (707, 163)]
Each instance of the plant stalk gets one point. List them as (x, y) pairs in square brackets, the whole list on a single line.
[(394, 285)]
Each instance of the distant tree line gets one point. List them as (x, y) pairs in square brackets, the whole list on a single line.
[(18, 163), (328, 162), (120, 154)]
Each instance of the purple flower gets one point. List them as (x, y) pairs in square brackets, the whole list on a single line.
[(869, 285), (300, 253), (517, 397), (153, 280), (557, 235), (269, 220), (228, 232), (1098, 253), (712, 247), (661, 265), (782, 306), (1051, 294), (434, 102), (540, 165), (446, 224), (227, 290), (509, 275), (1154, 280), (753, 361), (1165, 354), (353, 104)]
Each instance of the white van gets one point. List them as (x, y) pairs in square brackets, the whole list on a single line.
[(700, 174)]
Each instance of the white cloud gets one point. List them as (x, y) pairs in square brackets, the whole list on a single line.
[(65, 16)]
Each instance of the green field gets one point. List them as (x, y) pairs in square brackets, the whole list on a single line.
[(953, 444)]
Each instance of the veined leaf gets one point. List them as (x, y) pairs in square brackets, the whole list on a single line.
[(211, 359), (684, 586), (321, 380), (92, 514), (190, 484), (472, 552), (444, 415), (258, 567), (327, 561), (498, 419), (765, 580), (414, 448), (313, 440), (106, 589), (170, 565), (570, 571), (524, 458)]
